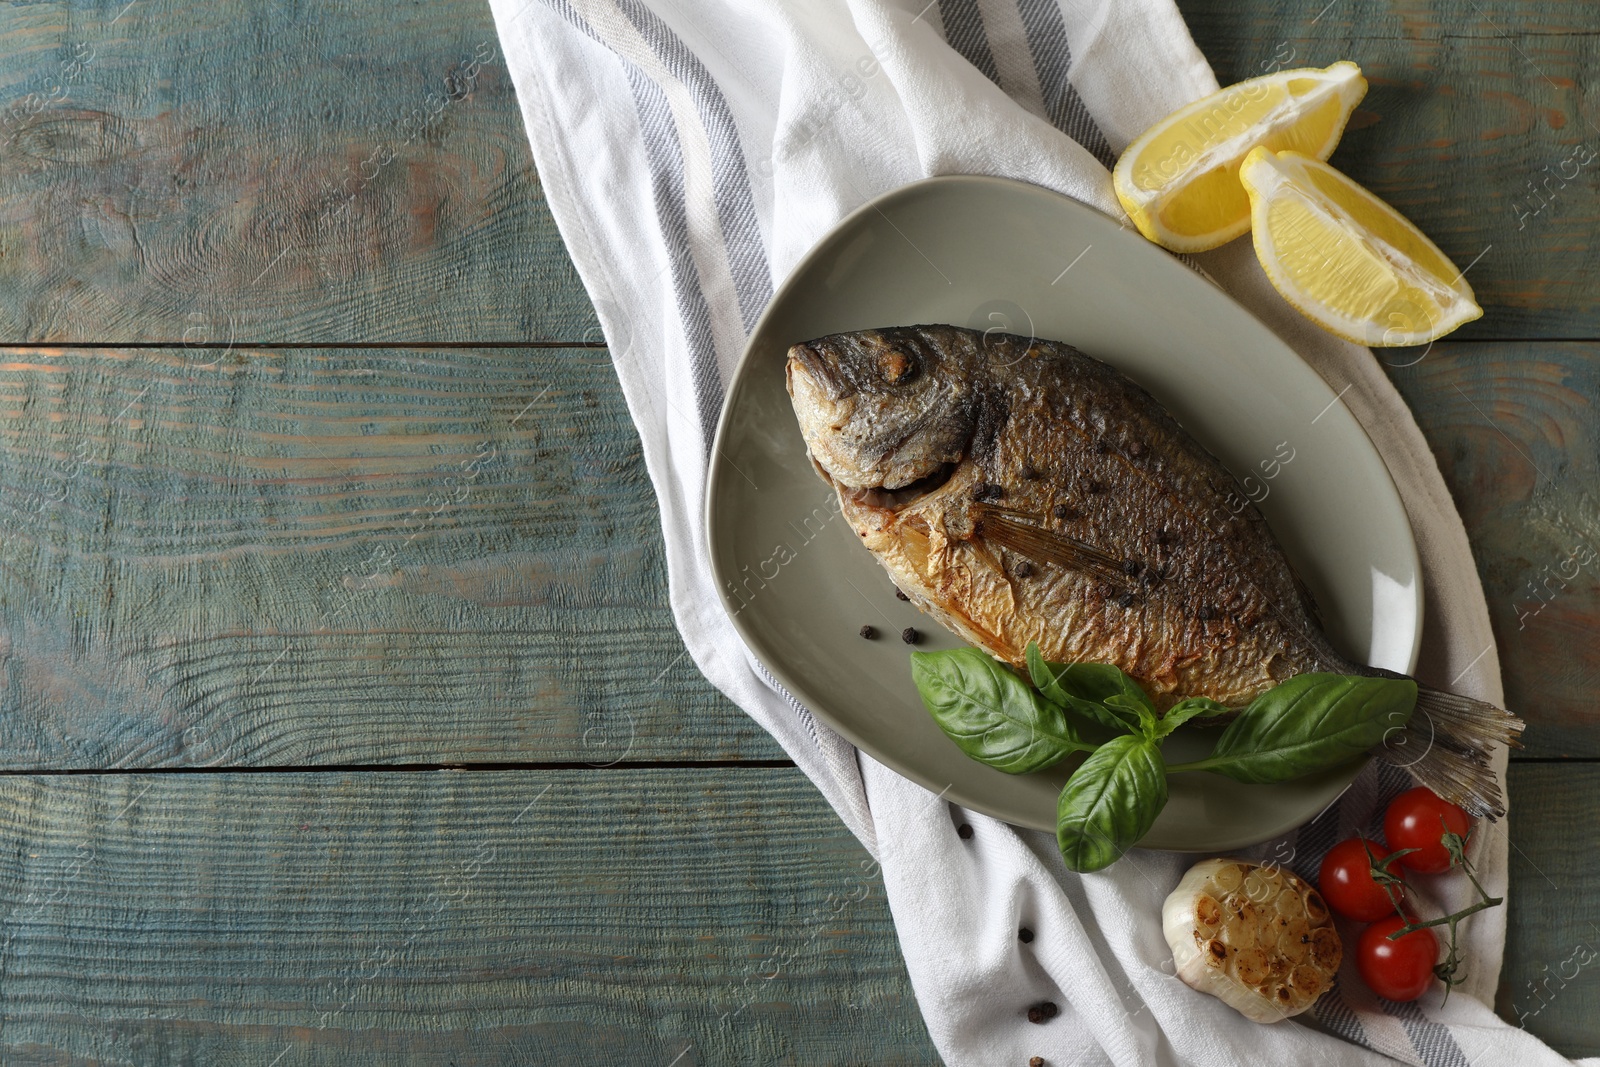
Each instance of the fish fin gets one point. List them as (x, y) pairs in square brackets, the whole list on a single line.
[(1455, 736), (1013, 530)]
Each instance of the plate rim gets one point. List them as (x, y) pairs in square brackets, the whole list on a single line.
[(717, 472)]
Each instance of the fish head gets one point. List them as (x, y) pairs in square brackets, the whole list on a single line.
[(883, 409)]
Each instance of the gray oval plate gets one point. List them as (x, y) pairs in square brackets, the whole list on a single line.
[(996, 254)]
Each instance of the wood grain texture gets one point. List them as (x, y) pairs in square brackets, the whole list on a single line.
[(532, 917), (1514, 430), (1551, 980), (1469, 104), (476, 918), (261, 172), (293, 556)]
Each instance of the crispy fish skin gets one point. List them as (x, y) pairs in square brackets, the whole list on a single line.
[(1019, 490)]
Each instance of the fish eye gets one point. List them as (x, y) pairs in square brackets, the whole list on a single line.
[(896, 367)]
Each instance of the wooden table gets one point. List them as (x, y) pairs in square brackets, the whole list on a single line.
[(342, 719)]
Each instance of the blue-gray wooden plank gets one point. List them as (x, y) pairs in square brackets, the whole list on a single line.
[(354, 556), (485, 917), (270, 172)]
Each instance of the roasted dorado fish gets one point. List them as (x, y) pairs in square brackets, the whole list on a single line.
[(1018, 490)]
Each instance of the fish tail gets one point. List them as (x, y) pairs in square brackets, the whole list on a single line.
[(1446, 746)]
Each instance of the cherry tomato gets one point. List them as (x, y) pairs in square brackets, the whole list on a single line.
[(1346, 881), (1396, 970), (1417, 819)]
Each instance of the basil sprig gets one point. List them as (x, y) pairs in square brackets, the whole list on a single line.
[(1310, 723)]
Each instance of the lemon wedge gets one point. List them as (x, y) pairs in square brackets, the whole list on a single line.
[(1346, 259), (1179, 181)]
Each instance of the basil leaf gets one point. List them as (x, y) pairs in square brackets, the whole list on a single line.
[(1098, 681), (993, 715), (1142, 711), (1110, 802), (1189, 708), (1310, 723), (1047, 679)]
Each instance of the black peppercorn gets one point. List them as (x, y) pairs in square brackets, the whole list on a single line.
[(1025, 935), (964, 832), (910, 636), (869, 632), (1043, 1012), (1035, 1061), (898, 595)]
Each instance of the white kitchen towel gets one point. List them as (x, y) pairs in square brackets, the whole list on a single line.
[(691, 151)]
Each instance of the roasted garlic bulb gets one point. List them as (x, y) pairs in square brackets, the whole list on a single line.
[(1258, 938)]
